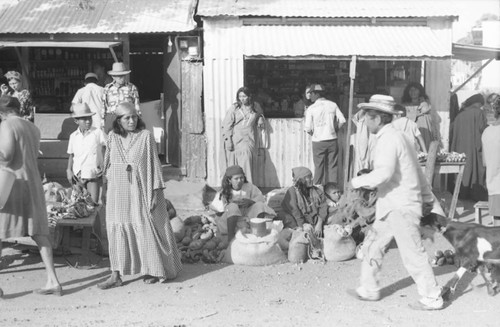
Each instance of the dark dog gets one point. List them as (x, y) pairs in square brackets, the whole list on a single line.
[(477, 247)]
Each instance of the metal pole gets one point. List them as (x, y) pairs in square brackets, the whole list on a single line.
[(472, 76), (352, 76)]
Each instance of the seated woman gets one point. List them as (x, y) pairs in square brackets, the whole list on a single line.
[(302, 203), (238, 200)]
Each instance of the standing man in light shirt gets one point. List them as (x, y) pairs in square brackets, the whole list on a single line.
[(92, 95), (118, 91), (320, 123), (397, 176)]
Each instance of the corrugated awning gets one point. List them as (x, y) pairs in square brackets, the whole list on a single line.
[(98, 16), (328, 8), (394, 42), (85, 44), (469, 52)]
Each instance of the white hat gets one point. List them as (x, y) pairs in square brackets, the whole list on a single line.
[(90, 75), (379, 102), (81, 110), (118, 69)]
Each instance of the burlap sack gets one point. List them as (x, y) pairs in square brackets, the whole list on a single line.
[(250, 250)]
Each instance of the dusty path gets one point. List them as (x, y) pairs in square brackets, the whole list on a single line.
[(227, 295)]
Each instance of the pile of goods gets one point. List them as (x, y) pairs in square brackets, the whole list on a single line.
[(444, 156), (197, 239), (443, 258), (73, 203)]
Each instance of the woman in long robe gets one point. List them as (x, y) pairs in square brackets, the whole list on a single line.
[(466, 138), (25, 212), (239, 130), (138, 226)]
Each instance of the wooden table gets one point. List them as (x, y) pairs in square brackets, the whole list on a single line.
[(451, 168), (87, 225)]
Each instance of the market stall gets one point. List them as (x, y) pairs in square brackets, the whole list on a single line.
[(355, 48)]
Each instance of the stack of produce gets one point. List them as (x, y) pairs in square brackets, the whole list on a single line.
[(197, 239), (443, 258), (444, 156)]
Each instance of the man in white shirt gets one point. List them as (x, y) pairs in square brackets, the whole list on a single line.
[(92, 95), (320, 121), (400, 183)]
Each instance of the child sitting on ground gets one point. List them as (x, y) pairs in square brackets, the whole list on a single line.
[(331, 205), (86, 152)]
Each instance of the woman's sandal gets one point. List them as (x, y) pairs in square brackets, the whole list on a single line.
[(110, 284), (48, 291), (147, 279)]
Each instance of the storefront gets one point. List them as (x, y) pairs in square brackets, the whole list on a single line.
[(278, 50), (55, 43)]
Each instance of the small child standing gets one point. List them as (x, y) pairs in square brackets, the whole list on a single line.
[(409, 128), (86, 152)]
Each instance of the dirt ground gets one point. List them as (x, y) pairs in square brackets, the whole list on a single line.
[(310, 294)]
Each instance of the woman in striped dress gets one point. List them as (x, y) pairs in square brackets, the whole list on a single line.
[(139, 231)]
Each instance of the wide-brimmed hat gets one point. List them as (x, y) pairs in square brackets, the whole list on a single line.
[(119, 68), (81, 110), (380, 102)]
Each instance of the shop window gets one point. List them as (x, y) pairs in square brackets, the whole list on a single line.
[(279, 85), (57, 73)]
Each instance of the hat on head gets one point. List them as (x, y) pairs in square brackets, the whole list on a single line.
[(382, 103), (13, 74), (119, 69), (301, 172), (91, 75), (317, 88), (234, 170), (81, 110), (8, 103)]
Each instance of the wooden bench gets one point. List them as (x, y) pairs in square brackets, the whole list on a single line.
[(478, 211)]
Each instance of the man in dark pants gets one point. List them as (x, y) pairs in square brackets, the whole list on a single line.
[(322, 121)]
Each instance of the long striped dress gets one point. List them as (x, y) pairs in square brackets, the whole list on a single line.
[(140, 241)]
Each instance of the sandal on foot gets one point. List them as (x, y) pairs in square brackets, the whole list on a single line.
[(110, 284), (48, 291), (150, 279)]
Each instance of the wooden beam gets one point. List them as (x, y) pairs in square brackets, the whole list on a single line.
[(352, 76)]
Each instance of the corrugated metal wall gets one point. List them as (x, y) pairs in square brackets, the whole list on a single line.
[(222, 76), (289, 147)]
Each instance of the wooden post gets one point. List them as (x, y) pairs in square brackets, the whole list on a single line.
[(352, 76)]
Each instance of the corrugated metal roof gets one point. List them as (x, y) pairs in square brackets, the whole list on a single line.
[(327, 8), (101, 16), (343, 41)]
